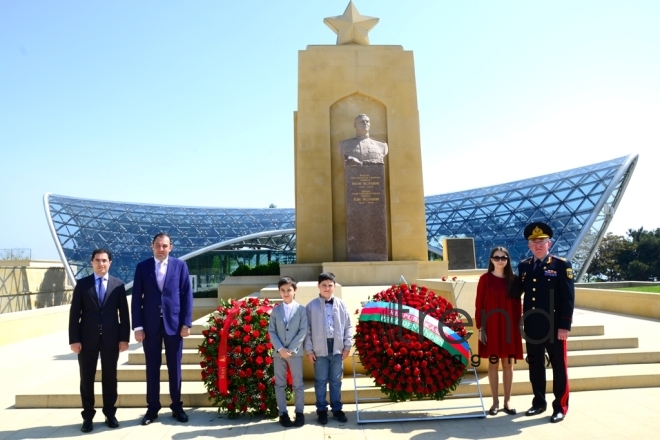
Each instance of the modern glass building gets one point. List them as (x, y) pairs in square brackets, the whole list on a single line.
[(578, 204)]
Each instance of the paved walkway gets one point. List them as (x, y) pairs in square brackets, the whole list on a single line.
[(609, 414)]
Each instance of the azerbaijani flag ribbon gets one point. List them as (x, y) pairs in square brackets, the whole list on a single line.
[(388, 313)]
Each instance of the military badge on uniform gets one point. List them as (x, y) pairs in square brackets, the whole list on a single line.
[(569, 273)]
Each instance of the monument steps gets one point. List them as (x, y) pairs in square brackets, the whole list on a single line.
[(132, 394), (190, 356), (596, 362)]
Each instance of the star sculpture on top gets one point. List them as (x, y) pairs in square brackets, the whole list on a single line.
[(351, 27)]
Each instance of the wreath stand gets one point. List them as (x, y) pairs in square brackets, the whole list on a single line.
[(407, 415)]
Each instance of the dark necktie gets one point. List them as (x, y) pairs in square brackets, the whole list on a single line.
[(101, 291), (537, 265)]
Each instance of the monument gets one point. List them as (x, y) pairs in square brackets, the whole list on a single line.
[(366, 213), (335, 84)]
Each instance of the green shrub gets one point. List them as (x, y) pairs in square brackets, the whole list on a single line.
[(243, 270)]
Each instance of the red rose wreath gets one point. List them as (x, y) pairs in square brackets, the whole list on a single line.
[(389, 346), (237, 369)]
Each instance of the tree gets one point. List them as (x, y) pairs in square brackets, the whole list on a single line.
[(645, 263), (632, 258), (607, 261)]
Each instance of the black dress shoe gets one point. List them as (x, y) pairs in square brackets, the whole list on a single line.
[(149, 417), (87, 426), (112, 422), (557, 417), (180, 416), (509, 411), (534, 410)]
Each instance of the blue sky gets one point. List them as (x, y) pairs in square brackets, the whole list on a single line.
[(192, 103)]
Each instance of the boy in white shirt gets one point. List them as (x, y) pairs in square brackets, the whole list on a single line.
[(287, 330)]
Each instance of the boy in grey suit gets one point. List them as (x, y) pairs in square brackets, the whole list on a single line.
[(287, 330)]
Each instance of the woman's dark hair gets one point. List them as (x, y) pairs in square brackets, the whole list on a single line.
[(512, 284)]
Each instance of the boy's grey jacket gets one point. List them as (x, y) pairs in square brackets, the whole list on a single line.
[(316, 342), (289, 336)]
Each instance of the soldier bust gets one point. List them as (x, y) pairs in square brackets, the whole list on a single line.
[(362, 150)]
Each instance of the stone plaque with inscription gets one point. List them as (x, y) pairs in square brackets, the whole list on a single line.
[(366, 219), (459, 253)]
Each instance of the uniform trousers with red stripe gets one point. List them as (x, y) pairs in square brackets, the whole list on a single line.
[(537, 362)]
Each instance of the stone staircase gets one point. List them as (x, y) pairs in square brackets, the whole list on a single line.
[(596, 359)]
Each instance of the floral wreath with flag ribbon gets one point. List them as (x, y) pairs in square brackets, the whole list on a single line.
[(404, 362)]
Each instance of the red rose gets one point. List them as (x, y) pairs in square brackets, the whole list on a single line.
[(247, 318), (202, 364), (213, 329), (238, 362), (269, 360), (260, 349), (263, 323), (247, 328), (261, 386), (259, 374), (205, 333), (246, 339), (247, 351), (255, 333), (237, 350), (259, 360)]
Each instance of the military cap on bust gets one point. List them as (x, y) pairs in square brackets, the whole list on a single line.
[(537, 230)]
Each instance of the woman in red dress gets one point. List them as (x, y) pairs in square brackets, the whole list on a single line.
[(498, 311)]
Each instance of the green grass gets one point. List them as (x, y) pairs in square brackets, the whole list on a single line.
[(647, 289)]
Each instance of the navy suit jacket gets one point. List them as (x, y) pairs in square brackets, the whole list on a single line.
[(88, 319), (175, 302)]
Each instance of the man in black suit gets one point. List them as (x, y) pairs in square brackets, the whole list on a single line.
[(547, 281), (99, 323)]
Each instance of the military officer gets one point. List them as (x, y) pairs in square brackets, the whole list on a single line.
[(362, 150), (548, 285)]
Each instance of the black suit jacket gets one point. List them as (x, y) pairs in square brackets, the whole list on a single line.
[(88, 319)]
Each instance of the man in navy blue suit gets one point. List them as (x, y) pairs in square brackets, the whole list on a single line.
[(99, 323), (162, 314)]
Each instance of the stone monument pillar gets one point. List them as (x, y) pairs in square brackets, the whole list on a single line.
[(336, 83)]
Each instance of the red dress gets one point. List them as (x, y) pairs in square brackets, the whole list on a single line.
[(492, 294)]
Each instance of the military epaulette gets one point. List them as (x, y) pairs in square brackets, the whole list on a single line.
[(527, 260)]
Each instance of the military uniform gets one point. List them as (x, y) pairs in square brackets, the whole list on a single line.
[(366, 150), (547, 307)]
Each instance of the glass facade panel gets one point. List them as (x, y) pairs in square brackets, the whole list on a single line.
[(578, 204)]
